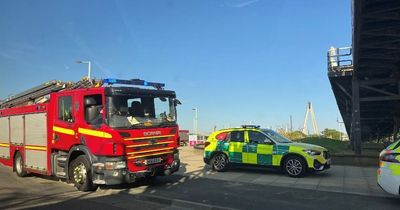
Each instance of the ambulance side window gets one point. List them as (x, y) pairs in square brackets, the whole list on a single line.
[(65, 108), (258, 138), (237, 136)]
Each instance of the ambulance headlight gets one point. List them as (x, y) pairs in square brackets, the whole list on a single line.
[(390, 157), (312, 152)]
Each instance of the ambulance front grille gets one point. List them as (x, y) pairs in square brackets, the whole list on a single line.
[(326, 155)]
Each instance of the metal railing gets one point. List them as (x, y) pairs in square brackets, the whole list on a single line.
[(340, 59)]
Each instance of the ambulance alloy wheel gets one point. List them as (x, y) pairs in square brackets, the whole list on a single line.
[(219, 162), (19, 165), (80, 174), (295, 166)]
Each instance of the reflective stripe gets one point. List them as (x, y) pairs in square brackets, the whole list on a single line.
[(140, 156), (4, 145), (149, 137), (64, 130), (41, 148), (149, 144), (153, 150), (95, 133)]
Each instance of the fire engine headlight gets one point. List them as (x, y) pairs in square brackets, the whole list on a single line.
[(115, 165), (312, 152)]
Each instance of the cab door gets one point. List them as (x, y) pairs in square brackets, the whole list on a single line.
[(258, 149), (64, 121), (236, 144)]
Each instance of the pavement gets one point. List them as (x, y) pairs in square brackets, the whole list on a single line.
[(339, 178), (196, 186)]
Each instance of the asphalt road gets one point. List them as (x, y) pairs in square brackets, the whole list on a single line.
[(175, 192)]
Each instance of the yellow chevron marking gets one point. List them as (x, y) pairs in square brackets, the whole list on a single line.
[(4, 145), (31, 147), (95, 133), (140, 156), (149, 144), (64, 130), (153, 150)]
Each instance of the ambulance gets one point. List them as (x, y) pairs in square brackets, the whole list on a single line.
[(251, 145), (388, 173)]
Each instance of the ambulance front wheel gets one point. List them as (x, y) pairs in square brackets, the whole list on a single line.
[(219, 162), (295, 166)]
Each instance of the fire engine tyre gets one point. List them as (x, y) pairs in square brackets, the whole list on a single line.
[(219, 162), (19, 165), (80, 174), (295, 166)]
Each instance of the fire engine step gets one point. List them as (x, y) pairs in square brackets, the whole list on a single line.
[(61, 174), (61, 161)]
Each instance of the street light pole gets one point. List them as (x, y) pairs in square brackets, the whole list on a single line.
[(89, 67), (340, 128), (195, 120)]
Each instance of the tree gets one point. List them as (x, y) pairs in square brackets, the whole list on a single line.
[(294, 135), (331, 133)]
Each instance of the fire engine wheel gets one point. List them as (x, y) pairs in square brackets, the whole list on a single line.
[(219, 162), (295, 166), (19, 165), (80, 174)]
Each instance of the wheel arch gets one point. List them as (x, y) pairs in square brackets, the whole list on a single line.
[(218, 152), (75, 152)]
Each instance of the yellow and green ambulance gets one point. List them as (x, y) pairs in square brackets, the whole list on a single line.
[(254, 146), (389, 169)]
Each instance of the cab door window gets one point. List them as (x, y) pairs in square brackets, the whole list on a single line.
[(93, 109), (65, 109)]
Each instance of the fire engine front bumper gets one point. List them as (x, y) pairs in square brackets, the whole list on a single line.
[(104, 173)]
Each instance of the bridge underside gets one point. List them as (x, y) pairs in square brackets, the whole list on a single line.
[(368, 94)]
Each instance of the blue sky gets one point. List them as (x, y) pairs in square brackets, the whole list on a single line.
[(237, 61)]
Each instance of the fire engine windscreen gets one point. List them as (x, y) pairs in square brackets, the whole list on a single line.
[(140, 111)]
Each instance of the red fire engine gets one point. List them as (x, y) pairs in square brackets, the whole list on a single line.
[(107, 133)]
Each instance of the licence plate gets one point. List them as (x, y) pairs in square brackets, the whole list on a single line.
[(152, 161)]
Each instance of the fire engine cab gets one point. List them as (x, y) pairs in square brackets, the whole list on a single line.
[(91, 133)]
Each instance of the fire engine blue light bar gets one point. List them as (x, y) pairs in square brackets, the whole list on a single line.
[(133, 82)]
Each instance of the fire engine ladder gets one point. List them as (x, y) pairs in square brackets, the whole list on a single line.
[(39, 93)]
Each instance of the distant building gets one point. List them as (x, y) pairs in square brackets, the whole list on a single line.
[(184, 136), (197, 139)]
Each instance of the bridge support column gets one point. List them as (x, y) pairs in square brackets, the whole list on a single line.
[(356, 124)]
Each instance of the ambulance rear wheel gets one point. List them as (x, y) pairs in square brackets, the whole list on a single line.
[(80, 174), (19, 165), (219, 162)]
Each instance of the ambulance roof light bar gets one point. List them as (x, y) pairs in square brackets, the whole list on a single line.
[(251, 126), (139, 82)]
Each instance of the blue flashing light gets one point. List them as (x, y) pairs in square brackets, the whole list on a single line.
[(110, 81), (133, 82)]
